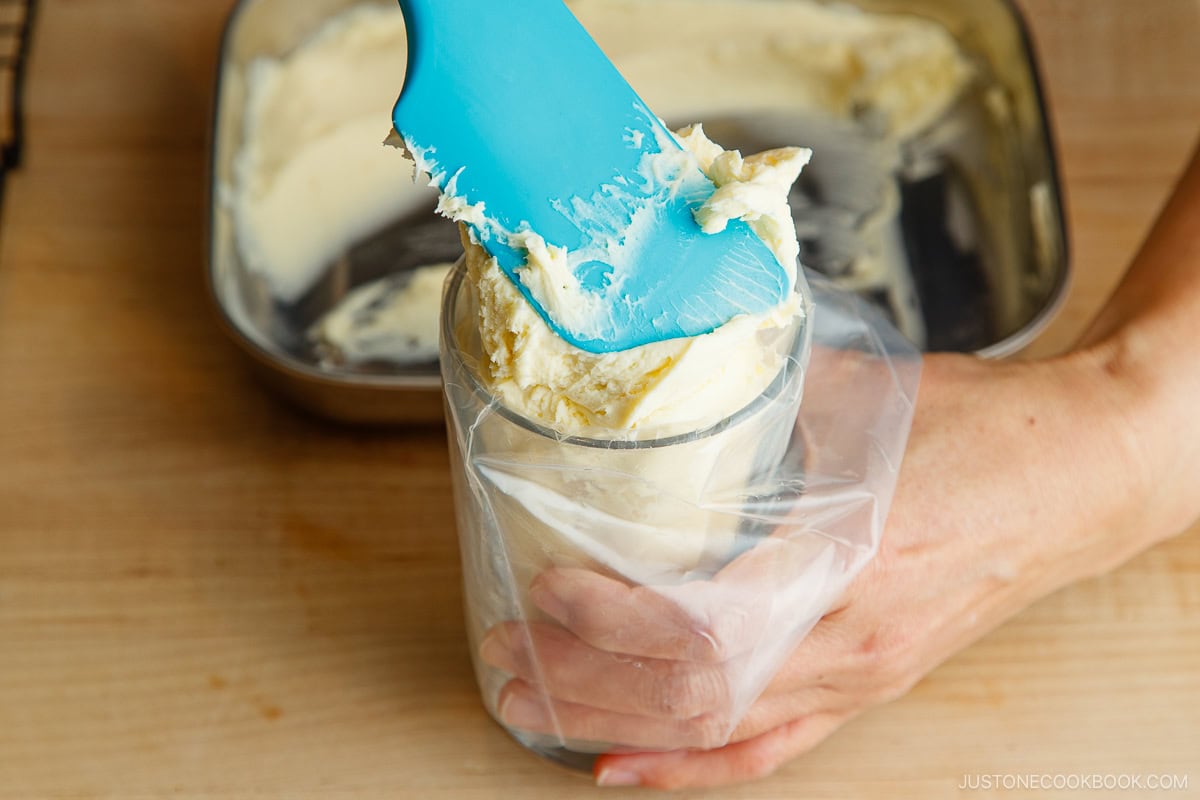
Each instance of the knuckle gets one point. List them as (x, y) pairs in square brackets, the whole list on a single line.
[(516, 635), (897, 682), (725, 633), (682, 691), (585, 725), (757, 762), (713, 641), (884, 657), (892, 690), (706, 731), (587, 620)]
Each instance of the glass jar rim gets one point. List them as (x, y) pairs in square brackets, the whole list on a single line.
[(451, 292)]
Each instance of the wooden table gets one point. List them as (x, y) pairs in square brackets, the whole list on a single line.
[(205, 593)]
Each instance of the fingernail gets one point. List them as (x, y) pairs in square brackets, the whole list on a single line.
[(520, 711), (618, 777), (549, 602), (493, 648)]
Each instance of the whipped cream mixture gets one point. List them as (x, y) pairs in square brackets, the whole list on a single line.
[(393, 319), (657, 389), (311, 178), (698, 59)]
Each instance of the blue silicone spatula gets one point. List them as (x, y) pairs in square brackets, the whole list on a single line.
[(510, 103)]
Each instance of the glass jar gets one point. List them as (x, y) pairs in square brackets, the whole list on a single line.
[(649, 512)]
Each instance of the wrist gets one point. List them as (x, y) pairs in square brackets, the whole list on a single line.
[(1046, 476), (1146, 392)]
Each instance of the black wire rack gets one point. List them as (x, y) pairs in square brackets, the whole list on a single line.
[(16, 22)]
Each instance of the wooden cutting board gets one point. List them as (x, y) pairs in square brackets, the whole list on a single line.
[(205, 593)]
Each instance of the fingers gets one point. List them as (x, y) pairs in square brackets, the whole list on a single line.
[(735, 763), (703, 621), (575, 672), (769, 713), (639, 620), (573, 690), (523, 706), (820, 659)]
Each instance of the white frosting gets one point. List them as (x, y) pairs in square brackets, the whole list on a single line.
[(656, 390), (394, 319), (698, 59), (312, 177)]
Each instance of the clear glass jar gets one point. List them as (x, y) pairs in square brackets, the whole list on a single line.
[(650, 512)]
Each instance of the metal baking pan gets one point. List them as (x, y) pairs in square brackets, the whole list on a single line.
[(270, 332), (988, 292)]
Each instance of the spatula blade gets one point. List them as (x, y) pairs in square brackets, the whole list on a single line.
[(512, 105)]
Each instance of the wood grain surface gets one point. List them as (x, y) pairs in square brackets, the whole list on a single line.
[(206, 594)]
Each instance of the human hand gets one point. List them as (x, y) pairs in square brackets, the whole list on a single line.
[(1017, 480)]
